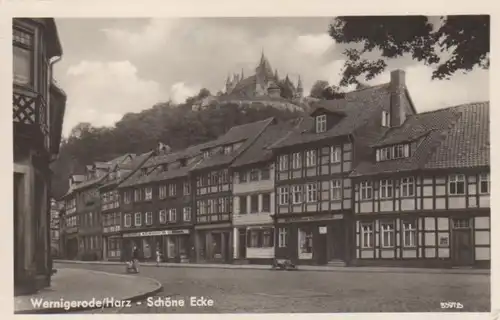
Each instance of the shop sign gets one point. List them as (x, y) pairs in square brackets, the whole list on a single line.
[(322, 230), (155, 233), (337, 216)]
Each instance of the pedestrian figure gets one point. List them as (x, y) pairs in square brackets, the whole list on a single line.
[(158, 257), (135, 258)]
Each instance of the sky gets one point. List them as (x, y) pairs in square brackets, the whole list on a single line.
[(111, 67)]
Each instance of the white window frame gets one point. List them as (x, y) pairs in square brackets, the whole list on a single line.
[(311, 158), (320, 123), (127, 220), (297, 194), (312, 192), (335, 154), (172, 190), (186, 188), (148, 193), (367, 230), (162, 193), (484, 177), (172, 215), (456, 179), (127, 197), (137, 219), (283, 162), (162, 216), (386, 189), (386, 119), (387, 228), (149, 218), (137, 195), (405, 189), (365, 190), (186, 214), (282, 238), (296, 160), (335, 188), (283, 195), (411, 229)]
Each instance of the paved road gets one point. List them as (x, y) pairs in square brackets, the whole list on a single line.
[(237, 291)]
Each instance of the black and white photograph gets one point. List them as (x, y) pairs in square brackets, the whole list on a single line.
[(251, 165)]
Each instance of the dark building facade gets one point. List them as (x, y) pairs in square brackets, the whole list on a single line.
[(38, 111)]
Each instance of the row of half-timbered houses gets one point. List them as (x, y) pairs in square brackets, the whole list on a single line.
[(361, 180)]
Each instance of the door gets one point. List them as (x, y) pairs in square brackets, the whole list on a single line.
[(462, 246), (227, 246), (336, 241), (321, 245), (242, 243)]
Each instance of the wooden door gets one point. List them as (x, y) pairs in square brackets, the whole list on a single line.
[(337, 241), (462, 247), (242, 244)]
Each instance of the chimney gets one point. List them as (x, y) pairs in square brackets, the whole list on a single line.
[(398, 87)]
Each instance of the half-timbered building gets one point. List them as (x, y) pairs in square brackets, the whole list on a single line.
[(314, 194), (253, 198), (213, 193), (424, 197), (38, 112)]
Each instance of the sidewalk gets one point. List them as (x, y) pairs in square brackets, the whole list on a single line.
[(300, 267), (78, 286)]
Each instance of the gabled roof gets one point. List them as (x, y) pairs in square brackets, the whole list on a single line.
[(130, 167), (259, 151), (358, 106), (246, 133), (455, 137)]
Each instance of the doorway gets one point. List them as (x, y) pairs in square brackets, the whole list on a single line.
[(242, 243), (461, 244), (336, 241)]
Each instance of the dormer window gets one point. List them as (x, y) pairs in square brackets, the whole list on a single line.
[(386, 119), (321, 123), (393, 152), (206, 154), (228, 149)]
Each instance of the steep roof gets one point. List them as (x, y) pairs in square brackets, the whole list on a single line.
[(246, 133), (259, 151), (130, 166), (455, 137), (358, 107)]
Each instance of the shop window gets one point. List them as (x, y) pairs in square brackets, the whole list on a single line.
[(171, 252), (305, 243)]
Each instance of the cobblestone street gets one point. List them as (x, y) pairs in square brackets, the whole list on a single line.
[(236, 291)]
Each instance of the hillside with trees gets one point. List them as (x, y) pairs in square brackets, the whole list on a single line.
[(175, 125)]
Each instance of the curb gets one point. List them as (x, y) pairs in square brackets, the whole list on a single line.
[(299, 268), (134, 298)]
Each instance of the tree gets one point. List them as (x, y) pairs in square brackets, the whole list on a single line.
[(465, 39), (318, 89)]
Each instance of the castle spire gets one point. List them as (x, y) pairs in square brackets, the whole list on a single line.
[(299, 83), (276, 74)]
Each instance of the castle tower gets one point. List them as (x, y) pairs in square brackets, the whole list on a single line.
[(300, 88)]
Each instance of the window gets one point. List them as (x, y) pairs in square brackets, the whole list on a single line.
[(386, 189), (394, 152), (254, 175), (267, 238), (163, 192), (128, 220), (335, 154), (172, 215), (172, 190), (126, 197), (296, 194), (282, 237), (366, 190), (148, 193), (283, 162), (253, 238), (186, 188), (335, 190), (312, 194), (137, 195), (386, 119), (254, 203), (163, 216), (387, 230), (242, 176), (456, 184), (367, 235), (228, 149), (283, 195), (305, 241), (407, 187), (321, 123), (266, 202), (296, 160), (224, 176), (22, 57), (186, 214), (461, 223), (311, 158), (265, 173), (137, 218), (149, 218), (409, 234), (484, 183), (243, 204), (206, 154)]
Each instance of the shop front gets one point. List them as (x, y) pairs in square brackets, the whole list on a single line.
[(213, 243), (174, 245), (313, 240), (112, 247)]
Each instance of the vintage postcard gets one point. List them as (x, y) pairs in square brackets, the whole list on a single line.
[(230, 165)]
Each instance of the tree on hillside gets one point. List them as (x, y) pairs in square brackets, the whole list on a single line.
[(321, 89), (466, 39)]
